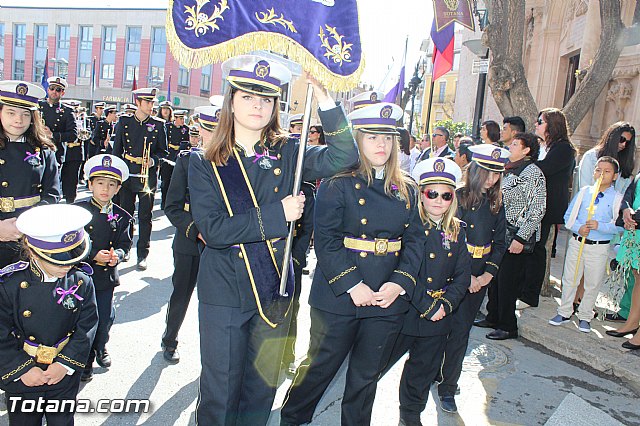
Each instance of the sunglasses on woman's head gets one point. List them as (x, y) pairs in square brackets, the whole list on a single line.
[(433, 194), (624, 140)]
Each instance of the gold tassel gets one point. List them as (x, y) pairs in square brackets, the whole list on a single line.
[(275, 42)]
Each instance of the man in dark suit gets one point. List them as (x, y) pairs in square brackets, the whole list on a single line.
[(439, 144)]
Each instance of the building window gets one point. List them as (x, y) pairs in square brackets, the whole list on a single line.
[(158, 40), (38, 69), (205, 82), (134, 34), (129, 73), (108, 71), (156, 76), (109, 38), (2, 36), (84, 70), (183, 76), (86, 38), (443, 89), (18, 69), (20, 32), (41, 35), (570, 85), (64, 36)]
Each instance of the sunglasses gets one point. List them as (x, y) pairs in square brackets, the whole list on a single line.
[(57, 89), (597, 200), (432, 195), (436, 134), (540, 121), (313, 131), (624, 140)]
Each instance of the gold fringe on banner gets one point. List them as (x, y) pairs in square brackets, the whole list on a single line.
[(260, 40)]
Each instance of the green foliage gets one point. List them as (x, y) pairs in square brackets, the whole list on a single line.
[(454, 127)]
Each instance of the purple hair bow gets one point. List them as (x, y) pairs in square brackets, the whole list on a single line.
[(62, 292)]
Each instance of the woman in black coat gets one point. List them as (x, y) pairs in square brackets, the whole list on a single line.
[(557, 166)]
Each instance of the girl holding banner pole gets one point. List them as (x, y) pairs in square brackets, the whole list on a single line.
[(241, 202)]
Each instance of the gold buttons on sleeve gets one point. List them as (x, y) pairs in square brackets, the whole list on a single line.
[(5, 184), (240, 255), (363, 236), (277, 171), (1, 161), (432, 255), (406, 225), (24, 284), (358, 186), (429, 280), (426, 233), (275, 189), (363, 254), (361, 201), (472, 226), (26, 314), (449, 254), (32, 338), (363, 221)]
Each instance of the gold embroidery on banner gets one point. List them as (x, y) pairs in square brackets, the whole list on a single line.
[(342, 274), (20, 367), (337, 132), (452, 5), (406, 274), (199, 21), (340, 51), (269, 17)]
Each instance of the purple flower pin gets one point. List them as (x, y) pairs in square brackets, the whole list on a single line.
[(64, 293), (151, 127)]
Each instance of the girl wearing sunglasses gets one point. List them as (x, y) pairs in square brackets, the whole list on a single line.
[(480, 207), (369, 242), (441, 285)]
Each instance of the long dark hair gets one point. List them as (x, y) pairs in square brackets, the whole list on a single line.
[(320, 131), (404, 140), (35, 135), (557, 130), (471, 194), (221, 146), (493, 130), (608, 147)]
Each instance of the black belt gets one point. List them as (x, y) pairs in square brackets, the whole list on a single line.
[(591, 242)]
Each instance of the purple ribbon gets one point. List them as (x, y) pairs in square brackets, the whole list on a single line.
[(111, 216), (151, 127), (265, 154), (30, 155), (62, 292), (394, 187)]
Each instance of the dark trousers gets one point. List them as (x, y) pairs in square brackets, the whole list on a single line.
[(69, 176), (290, 344), (536, 267), (106, 317), (9, 253), (25, 414), (240, 356), (503, 293), (458, 340), (370, 341), (420, 370), (185, 273), (145, 207), (166, 170)]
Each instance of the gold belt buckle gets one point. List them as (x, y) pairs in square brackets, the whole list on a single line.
[(436, 294), (381, 246), (45, 354), (7, 205), (478, 252)]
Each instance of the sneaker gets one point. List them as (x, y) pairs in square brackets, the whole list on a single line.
[(448, 404), (520, 305), (559, 320), (584, 326), (614, 317), (142, 264)]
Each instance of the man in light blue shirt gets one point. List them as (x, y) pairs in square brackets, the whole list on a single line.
[(594, 234)]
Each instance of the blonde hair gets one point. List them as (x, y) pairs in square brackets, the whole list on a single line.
[(450, 223), (393, 174), (223, 142)]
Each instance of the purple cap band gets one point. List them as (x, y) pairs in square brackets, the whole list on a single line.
[(379, 120), (251, 75), (489, 158), (105, 169), (14, 95), (209, 118), (366, 102), (68, 240), (431, 175)]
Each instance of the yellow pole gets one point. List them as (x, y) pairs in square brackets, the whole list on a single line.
[(590, 211)]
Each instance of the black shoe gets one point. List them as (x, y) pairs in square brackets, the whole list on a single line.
[(629, 345), (171, 355), (448, 404), (502, 335), (615, 333), (142, 264), (87, 375), (408, 422), (614, 317), (484, 324), (305, 271), (103, 359)]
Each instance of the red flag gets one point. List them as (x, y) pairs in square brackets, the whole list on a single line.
[(442, 50)]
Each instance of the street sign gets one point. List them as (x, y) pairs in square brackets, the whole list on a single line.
[(480, 66)]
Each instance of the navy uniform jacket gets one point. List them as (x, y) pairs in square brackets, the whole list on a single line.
[(29, 311), (223, 279), (104, 235), (177, 139), (304, 227), (102, 129), (59, 119), (178, 209), (442, 269), (93, 121), (348, 207), (483, 228), (22, 177), (130, 135)]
